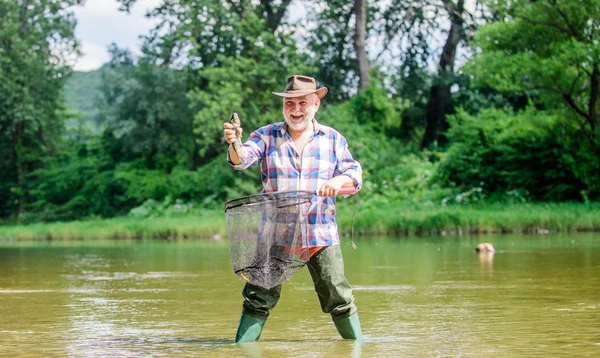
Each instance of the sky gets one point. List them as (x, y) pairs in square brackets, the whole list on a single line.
[(99, 23)]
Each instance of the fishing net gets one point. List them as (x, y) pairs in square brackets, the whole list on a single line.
[(268, 236)]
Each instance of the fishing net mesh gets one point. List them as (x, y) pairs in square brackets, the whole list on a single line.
[(268, 236)]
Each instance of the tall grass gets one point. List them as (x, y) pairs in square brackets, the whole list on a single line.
[(477, 219), (391, 220), (206, 225)]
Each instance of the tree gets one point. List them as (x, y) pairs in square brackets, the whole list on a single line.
[(549, 50), (146, 113), (411, 31), (274, 12), (338, 38), (329, 40), (36, 43), (233, 54), (360, 30), (440, 101)]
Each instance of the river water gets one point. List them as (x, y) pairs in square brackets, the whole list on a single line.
[(537, 295)]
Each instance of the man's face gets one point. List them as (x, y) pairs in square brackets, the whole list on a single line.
[(300, 111)]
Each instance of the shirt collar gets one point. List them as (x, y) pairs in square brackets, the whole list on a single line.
[(316, 128)]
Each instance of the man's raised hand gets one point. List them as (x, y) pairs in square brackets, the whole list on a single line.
[(229, 133)]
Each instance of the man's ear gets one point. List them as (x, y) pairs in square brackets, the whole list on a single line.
[(317, 102)]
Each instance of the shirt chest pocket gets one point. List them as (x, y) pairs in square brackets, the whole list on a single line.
[(326, 170), (324, 165), (282, 159)]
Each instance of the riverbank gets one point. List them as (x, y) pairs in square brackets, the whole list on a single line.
[(539, 218), (209, 224), (528, 218)]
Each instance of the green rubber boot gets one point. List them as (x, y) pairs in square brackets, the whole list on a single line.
[(249, 329), (349, 328)]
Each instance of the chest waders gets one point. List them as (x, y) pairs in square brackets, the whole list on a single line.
[(333, 290), (249, 329)]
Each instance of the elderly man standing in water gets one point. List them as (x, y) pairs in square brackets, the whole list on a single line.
[(302, 154)]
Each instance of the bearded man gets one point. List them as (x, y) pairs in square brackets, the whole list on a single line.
[(302, 154)]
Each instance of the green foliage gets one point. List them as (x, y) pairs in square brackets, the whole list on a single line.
[(199, 34), (205, 224), (472, 97), (211, 185), (548, 50), (232, 59), (78, 183), (221, 182), (81, 92), (36, 40), (365, 143), (392, 171), (146, 113), (142, 183), (390, 219), (501, 152), (241, 85), (372, 107), (166, 208), (85, 183), (331, 42), (482, 218), (160, 151)]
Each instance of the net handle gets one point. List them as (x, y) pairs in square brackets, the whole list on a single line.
[(346, 190)]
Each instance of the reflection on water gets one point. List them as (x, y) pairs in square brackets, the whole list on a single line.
[(486, 258), (416, 297)]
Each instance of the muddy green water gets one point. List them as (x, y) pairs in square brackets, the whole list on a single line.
[(539, 295)]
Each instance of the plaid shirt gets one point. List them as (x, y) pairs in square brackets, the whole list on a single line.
[(325, 155)]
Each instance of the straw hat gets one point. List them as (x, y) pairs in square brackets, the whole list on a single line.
[(298, 86)]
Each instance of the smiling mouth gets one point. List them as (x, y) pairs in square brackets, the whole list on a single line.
[(296, 117)]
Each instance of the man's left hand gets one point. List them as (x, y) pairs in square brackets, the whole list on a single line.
[(332, 186)]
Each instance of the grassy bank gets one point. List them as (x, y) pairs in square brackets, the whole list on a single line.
[(391, 220), (208, 224), (479, 219)]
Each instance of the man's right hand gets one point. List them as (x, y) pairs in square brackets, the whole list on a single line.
[(229, 133)]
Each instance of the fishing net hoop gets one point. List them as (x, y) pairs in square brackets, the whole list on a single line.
[(268, 235)]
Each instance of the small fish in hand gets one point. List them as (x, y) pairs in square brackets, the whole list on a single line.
[(237, 145)]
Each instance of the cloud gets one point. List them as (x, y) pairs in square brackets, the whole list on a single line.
[(95, 56), (99, 23)]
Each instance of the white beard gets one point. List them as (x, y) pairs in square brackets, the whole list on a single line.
[(302, 125)]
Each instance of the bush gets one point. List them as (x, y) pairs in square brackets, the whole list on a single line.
[(502, 152), (393, 172), (78, 183)]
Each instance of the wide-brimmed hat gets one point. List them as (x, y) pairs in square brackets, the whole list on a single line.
[(298, 86)]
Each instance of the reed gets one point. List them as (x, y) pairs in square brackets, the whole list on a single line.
[(209, 224), (389, 220), (479, 219)]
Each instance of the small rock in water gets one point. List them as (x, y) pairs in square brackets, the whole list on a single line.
[(484, 247)]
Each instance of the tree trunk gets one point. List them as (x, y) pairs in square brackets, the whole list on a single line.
[(274, 14), (19, 124), (439, 103), (359, 43), (18, 163), (595, 90)]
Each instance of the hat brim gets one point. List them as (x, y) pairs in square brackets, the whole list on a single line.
[(321, 92)]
